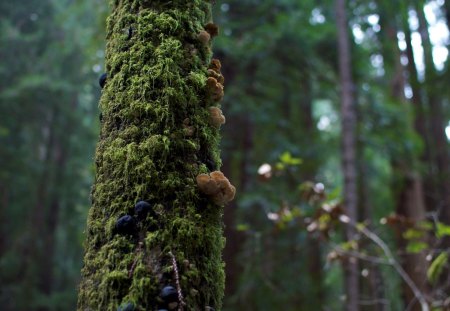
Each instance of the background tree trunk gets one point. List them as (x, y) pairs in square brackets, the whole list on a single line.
[(348, 121), (154, 140), (410, 200)]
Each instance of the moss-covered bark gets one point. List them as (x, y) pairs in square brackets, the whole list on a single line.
[(156, 138)]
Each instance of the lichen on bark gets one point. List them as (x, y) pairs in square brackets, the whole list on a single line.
[(155, 138)]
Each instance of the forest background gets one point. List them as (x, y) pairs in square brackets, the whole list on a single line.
[(288, 246)]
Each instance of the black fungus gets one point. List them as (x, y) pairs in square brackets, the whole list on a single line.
[(142, 209), (102, 80), (169, 294), (210, 164), (130, 33), (126, 225), (126, 307)]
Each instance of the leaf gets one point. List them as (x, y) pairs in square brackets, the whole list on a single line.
[(286, 158), (415, 247), (360, 226), (436, 267), (442, 230), (412, 234), (242, 227), (425, 225)]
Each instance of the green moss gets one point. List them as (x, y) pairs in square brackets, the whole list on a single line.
[(156, 80)]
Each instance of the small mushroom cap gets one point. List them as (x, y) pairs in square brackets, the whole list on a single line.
[(216, 117), (215, 89), (205, 184), (215, 65), (216, 75), (204, 37), (217, 187)]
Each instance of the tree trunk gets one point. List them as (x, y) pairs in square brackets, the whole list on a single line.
[(437, 124), (4, 201), (348, 121), (155, 139), (410, 201)]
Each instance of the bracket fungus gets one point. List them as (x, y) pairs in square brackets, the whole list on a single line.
[(216, 75), (216, 117), (215, 65), (217, 187), (215, 89)]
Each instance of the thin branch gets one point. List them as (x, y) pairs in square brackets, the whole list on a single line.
[(391, 259), (372, 259)]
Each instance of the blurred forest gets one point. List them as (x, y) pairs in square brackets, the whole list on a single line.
[(337, 140)]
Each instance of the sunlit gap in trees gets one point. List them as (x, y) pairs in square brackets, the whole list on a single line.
[(439, 38), (447, 131)]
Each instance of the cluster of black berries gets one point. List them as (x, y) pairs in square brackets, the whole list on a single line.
[(127, 225)]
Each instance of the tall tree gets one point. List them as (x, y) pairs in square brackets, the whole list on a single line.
[(154, 233), (349, 166), (434, 89), (410, 201)]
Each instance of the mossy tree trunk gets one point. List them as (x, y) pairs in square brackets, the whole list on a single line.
[(158, 134)]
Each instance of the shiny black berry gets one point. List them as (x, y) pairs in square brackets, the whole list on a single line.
[(142, 209), (126, 225), (102, 80), (210, 164), (169, 294)]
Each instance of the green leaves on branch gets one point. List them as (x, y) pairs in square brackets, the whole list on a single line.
[(286, 159), (436, 267), (442, 230)]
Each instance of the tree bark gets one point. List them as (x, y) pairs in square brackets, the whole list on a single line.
[(155, 139), (348, 121)]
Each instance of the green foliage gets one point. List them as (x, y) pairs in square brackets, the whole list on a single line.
[(437, 267), (442, 230), (47, 117)]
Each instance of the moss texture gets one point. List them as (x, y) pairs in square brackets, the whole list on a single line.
[(155, 138)]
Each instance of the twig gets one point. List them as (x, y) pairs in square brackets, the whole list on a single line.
[(374, 238), (361, 256), (133, 266), (177, 283)]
